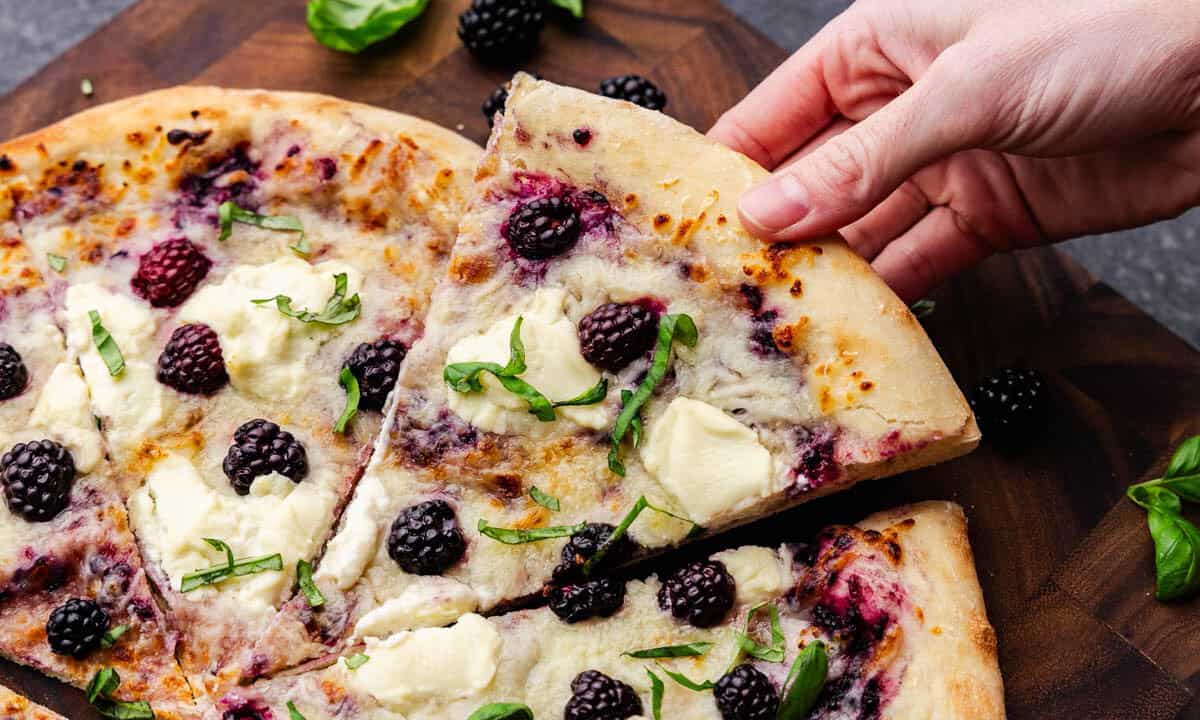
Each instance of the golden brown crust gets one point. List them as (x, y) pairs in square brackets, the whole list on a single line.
[(18, 707)]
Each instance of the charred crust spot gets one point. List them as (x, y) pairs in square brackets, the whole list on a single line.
[(721, 219), (125, 227), (177, 136), (797, 288), (79, 166), (360, 163), (661, 219), (893, 550), (866, 385), (135, 138), (631, 201), (195, 114), (471, 269), (6, 164), (506, 487), (409, 142), (784, 337), (582, 136)]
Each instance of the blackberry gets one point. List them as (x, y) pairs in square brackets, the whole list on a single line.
[(595, 598), (636, 89), (13, 375), (699, 593), (542, 228), (376, 366), (745, 693), (584, 544), (495, 103), (169, 273), (596, 696), (37, 478), (261, 447), (192, 361), (76, 627), (501, 31), (1010, 404), (615, 334), (425, 538)]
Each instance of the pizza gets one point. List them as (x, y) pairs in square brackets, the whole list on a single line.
[(609, 348), (257, 265), (18, 707), (893, 604)]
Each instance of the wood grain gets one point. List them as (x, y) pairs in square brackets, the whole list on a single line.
[(1065, 562)]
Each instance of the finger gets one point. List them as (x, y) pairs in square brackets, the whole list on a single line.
[(897, 214), (936, 248), (836, 127)]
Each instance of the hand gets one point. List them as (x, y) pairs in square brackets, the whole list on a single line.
[(934, 133)]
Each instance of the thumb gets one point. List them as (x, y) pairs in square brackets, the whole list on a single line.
[(844, 178)]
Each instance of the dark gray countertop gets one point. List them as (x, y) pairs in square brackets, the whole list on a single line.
[(1157, 266)]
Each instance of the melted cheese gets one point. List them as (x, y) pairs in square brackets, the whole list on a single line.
[(64, 412), (425, 602), (356, 541), (757, 573)]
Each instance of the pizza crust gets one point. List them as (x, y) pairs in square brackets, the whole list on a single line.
[(18, 707)]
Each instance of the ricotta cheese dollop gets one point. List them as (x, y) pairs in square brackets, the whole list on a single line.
[(426, 602), (64, 411), (757, 573)]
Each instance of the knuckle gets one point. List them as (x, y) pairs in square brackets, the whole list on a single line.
[(844, 169)]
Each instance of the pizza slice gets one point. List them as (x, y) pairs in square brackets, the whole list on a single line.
[(14, 706), (611, 349), (884, 619), (241, 274)]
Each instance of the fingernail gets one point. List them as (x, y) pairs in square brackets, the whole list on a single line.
[(776, 204)]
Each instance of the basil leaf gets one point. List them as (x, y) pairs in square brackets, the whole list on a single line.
[(293, 713), (301, 247), (1176, 554), (768, 653), (671, 328), (304, 576), (591, 396), (1152, 496), (339, 309), (547, 501), (348, 381), (656, 694), (232, 568), (641, 504), (923, 308), (575, 7), (804, 682), (222, 546), (539, 405), (672, 651), (687, 682), (229, 212), (102, 684), (99, 694), (110, 637), (106, 345), (357, 660), (57, 262), (635, 426), (513, 536), (1183, 473), (502, 711), (353, 25)]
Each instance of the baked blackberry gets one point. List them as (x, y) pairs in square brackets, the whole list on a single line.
[(13, 374), (542, 228), (1010, 404), (425, 538), (192, 361), (494, 104), (596, 696), (584, 544), (76, 627), (376, 366), (260, 447), (501, 31), (745, 693), (699, 593), (37, 478), (615, 334), (169, 273), (576, 602), (636, 89)]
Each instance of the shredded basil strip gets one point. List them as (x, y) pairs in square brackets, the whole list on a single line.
[(502, 711), (99, 693), (357, 660), (635, 426), (804, 682), (514, 536), (231, 568), (923, 308), (110, 638), (679, 327), (348, 381), (547, 501), (106, 345), (229, 212), (301, 247), (641, 504), (103, 683), (687, 682), (768, 653), (304, 576), (693, 649), (57, 262), (656, 694), (339, 309), (293, 713)]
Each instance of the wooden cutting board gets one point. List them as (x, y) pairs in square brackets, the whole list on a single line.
[(1066, 563)]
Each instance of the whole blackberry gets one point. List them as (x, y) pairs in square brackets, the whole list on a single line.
[(745, 693), (495, 103), (376, 366), (584, 544), (37, 478), (542, 228), (13, 375), (595, 598), (261, 447), (1010, 404), (699, 593), (192, 361), (596, 696), (501, 31), (636, 89), (76, 627), (169, 273), (425, 538), (615, 334)]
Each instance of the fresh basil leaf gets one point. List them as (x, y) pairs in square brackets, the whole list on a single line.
[(357, 660), (102, 684), (591, 396), (106, 345), (110, 638), (232, 568), (513, 536), (1186, 460), (304, 576), (671, 328), (293, 713), (348, 381), (804, 682), (656, 694), (86, 87), (99, 693), (622, 528), (57, 262), (687, 682), (693, 649), (229, 212), (353, 25), (768, 653), (575, 7), (1176, 554), (1153, 496), (339, 309), (547, 501), (923, 308), (502, 711)]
